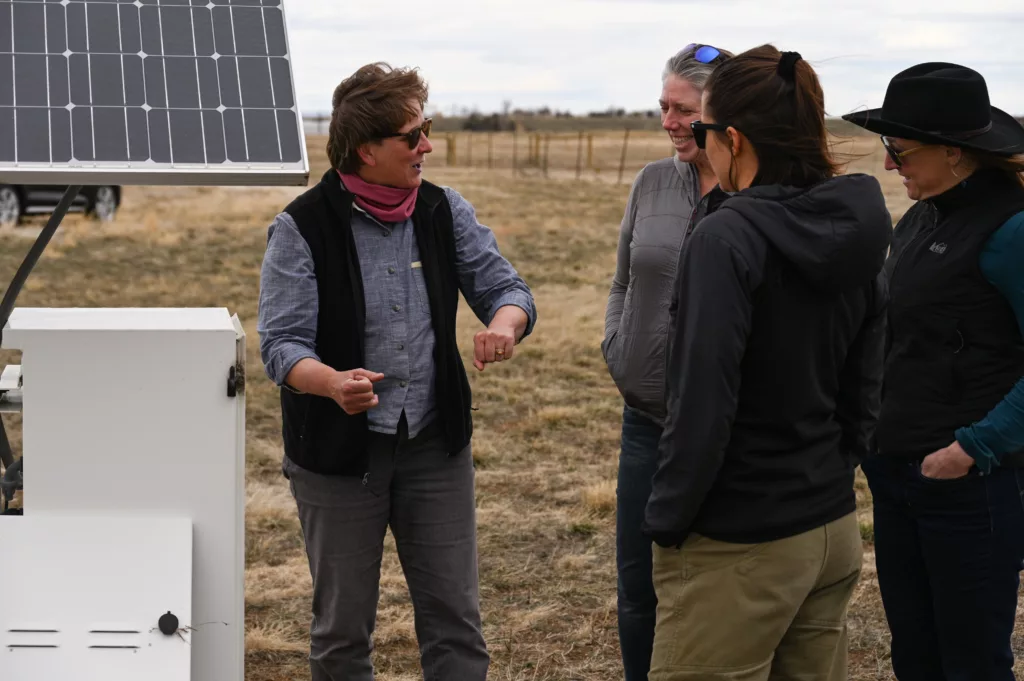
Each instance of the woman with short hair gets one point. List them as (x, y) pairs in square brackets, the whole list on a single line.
[(359, 293), (661, 208)]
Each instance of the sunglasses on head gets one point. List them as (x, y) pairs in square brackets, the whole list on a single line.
[(700, 131), (412, 138), (897, 155), (705, 54)]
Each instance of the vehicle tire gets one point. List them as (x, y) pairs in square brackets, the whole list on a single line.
[(103, 206), (10, 206)]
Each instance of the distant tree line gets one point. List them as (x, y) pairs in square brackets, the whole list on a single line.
[(499, 122), (506, 121)]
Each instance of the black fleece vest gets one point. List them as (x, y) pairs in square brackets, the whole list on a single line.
[(318, 435), (954, 347)]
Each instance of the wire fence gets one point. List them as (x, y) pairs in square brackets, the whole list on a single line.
[(609, 155), (616, 155)]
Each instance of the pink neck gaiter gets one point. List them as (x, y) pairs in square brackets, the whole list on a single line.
[(387, 204)]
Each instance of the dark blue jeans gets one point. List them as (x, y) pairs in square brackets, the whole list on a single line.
[(637, 603), (949, 555)]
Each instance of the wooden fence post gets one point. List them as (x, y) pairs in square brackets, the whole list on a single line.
[(469, 149), (547, 147), (450, 139), (579, 155), (490, 150), (515, 145), (622, 159)]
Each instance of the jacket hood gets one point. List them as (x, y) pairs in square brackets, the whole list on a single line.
[(836, 233)]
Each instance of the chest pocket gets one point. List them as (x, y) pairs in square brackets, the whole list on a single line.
[(419, 288)]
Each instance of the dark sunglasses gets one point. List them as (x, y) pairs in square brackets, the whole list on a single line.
[(700, 131), (412, 138), (705, 54), (895, 154)]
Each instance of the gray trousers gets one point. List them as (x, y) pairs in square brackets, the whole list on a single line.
[(427, 499)]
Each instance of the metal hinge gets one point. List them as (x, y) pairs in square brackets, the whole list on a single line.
[(236, 380)]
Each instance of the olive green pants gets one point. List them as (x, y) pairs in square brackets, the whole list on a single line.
[(749, 612)]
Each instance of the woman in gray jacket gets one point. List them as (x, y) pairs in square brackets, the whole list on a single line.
[(663, 202)]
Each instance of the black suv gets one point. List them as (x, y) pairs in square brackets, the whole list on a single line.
[(19, 200)]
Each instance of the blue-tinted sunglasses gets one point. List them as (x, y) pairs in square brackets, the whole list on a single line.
[(705, 54)]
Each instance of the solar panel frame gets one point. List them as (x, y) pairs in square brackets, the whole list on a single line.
[(207, 163)]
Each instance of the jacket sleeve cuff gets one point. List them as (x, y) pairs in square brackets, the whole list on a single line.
[(282, 362), (522, 300), (984, 459)]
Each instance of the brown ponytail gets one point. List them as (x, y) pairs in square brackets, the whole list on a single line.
[(776, 101)]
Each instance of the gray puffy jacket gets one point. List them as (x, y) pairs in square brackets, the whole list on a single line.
[(636, 322)]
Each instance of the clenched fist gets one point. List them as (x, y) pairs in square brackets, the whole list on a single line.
[(494, 344), (353, 390)]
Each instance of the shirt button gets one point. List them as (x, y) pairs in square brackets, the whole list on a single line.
[(396, 308), (404, 384), (391, 270), (401, 346)]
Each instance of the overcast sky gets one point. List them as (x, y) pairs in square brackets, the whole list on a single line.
[(586, 55)]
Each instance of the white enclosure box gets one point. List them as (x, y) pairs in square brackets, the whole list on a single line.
[(134, 419)]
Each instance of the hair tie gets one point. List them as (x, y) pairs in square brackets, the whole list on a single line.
[(787, 66)]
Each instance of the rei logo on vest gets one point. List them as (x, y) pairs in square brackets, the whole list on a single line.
[(938, 247)]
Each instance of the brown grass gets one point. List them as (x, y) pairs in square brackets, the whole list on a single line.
[(547, 434)]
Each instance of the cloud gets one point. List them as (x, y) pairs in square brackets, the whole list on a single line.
[(590, 54)]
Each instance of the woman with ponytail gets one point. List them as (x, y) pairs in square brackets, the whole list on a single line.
[(773, 385)]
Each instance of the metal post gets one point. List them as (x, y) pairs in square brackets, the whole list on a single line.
[(7, 305)]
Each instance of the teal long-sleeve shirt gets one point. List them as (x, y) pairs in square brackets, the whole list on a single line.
[(1001, 432)]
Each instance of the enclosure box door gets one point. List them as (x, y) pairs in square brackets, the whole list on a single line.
[(84, 595)]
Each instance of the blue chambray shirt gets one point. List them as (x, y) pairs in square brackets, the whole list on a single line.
[(399, 339)]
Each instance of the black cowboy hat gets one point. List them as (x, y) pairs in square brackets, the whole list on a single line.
[(939, 103)]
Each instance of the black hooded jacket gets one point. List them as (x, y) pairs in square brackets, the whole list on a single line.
[(774, 363)]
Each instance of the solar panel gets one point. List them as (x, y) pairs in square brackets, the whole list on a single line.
[(148, 92)]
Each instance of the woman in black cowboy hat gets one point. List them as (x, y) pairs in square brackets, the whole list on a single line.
[(947, 474)]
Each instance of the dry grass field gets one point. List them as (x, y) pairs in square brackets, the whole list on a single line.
[(547, 431)]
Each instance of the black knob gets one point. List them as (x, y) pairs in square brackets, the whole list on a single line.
[(168, 624)]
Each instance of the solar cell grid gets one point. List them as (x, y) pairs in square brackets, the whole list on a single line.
[(157, 87)]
